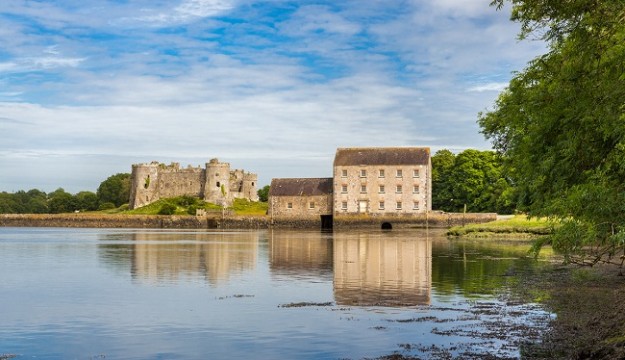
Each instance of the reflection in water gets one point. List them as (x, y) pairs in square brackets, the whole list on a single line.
[(169, 256), (384, 270), (301, 254)]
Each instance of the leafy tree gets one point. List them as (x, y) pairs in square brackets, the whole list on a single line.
[(263, 193), (115, 189), (561, 123), (60, 201), (442, 191), (87, 201), (473, 178)]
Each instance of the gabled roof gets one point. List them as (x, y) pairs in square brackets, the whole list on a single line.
[(301, 187), (382, 156)]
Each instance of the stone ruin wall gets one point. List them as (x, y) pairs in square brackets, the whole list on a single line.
[(151, 182)]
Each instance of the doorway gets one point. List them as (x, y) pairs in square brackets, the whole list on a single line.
[(326, 222)]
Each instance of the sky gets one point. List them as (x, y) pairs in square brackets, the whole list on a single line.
[(90, 87)]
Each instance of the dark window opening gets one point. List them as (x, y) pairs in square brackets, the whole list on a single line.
[(218, 184)]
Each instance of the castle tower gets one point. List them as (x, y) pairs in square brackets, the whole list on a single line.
[(217, 187), (143, 185), (250, 186)]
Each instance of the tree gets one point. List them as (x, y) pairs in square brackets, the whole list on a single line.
[(263, 193), (60, 201), (115, 189), (442, 191), (561, 123), (473, 178), (87, 201)]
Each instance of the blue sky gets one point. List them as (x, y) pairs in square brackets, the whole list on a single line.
[(89, 87)]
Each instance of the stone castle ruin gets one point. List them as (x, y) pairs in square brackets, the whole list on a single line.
[(215, 183)]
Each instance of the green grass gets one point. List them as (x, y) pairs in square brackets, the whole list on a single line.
[(184, 203), (246, 207), (519, 224)]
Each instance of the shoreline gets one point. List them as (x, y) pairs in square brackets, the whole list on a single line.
[(89, 220)]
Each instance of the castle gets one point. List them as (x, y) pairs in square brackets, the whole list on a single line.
[(215, 183)]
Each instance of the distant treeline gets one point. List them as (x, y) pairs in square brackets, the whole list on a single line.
[(112, 193)]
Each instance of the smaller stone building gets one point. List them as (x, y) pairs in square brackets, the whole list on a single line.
[(302, 199)]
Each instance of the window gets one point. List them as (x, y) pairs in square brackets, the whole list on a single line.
[(399, 189), (415, 206), (400, 173), (344, 189), (218, 184), (289, 205), (344, 173), (344, 205), (381, 173), (398, 205), (415, 189), (363, 173), (415, 173), (381, 206), (363, 189), (381, 191), (311, 205)]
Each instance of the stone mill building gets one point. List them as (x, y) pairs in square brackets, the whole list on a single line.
[(375, 182), (215, 183)]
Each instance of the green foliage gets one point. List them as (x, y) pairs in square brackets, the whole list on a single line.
[(167, 209), (519, 224), (185, 205), (115, 189), (86, 201), (263, 193), (24, 202), (106, 206), (472, 178), (561, 123), (60, 201)]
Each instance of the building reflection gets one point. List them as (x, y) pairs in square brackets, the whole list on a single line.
[(377, 269), (215, 257), (301, 253)]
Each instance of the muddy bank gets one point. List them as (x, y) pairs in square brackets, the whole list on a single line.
[(590, 310)]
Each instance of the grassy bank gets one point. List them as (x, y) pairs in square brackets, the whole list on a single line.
[(185, 205), (517, 226)]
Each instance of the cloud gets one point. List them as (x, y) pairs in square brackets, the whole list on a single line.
[(187, 11), (496, 86)]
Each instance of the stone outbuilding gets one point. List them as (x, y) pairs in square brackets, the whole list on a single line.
[(303, 199)]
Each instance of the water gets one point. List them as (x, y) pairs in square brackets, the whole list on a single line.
[(152, 294)]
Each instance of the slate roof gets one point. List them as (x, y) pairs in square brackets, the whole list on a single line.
[(382, 156), (301, 187)]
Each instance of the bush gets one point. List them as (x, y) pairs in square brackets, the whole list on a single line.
[(107, 206), (167, 209)]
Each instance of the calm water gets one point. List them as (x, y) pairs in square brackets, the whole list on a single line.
[(148, 294)]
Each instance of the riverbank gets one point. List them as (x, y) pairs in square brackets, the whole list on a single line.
[(517, 227), (590, 321), (230, 221)]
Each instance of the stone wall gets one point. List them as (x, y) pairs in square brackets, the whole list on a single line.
[(381, 189), (300, 206), (215, 221)]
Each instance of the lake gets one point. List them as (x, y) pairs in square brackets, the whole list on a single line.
[(268, 294)]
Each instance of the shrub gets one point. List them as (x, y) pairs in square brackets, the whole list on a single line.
[(167, 209)]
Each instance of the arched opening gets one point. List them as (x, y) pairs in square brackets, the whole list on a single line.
[(387, 226)]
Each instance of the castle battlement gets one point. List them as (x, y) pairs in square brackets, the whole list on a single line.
[(214, 183)]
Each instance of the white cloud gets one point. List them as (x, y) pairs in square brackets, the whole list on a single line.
[(496, 86)]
